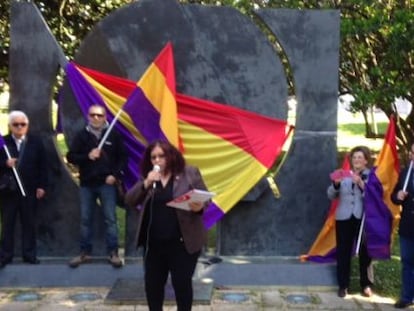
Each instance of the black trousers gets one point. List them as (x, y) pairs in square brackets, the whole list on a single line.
[(11, 206), (346, 237), (162, 259)]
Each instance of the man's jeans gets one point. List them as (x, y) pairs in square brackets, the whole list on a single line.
[(407, 261), (107, 201)]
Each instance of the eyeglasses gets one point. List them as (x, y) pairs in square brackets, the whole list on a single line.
[(19, 124), (160, 156), (98, 115)]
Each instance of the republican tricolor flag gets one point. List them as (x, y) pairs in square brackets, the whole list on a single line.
[(381, 215), (323, 248), (233, 148)]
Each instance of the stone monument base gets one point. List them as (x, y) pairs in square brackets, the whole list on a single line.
[(131, 291)]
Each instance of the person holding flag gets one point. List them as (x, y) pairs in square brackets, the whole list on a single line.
[(348, 187), (100, 154), (23, 157), (403, 194)]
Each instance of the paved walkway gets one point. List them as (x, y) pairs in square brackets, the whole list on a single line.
[(236, 283), (224, 299)]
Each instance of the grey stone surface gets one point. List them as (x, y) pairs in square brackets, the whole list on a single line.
[(131, 291), (230, 271), (34, 63), (261, 298), (288, 225)]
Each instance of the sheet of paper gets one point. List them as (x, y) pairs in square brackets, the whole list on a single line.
[(194, 195)]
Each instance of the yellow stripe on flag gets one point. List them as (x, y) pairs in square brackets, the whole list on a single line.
[(228, 171), (153, 84)]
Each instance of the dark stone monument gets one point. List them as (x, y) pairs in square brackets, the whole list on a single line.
[(220, 55), (35, 57), (288, 225)]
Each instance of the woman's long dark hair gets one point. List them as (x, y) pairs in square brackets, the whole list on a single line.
[(175, 161)]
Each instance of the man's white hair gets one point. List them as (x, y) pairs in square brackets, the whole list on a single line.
[(16, 114)]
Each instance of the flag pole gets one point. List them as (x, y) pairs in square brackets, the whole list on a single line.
[(361, 229), (104, 138), (407, 177), (19, 182)]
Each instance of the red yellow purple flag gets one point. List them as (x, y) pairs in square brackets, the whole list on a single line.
[(223, 142), (152, 103), (324, 248), (381, 215), (220, 140)]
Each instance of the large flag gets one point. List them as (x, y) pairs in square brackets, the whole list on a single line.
[(152, 103), (223, 142), (380, 213), (150, 112), (220, 140), (324, 248)]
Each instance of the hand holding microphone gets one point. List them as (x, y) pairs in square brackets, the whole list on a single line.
[(152, 177), (155, 174)]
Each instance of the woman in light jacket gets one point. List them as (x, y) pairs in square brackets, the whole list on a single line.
[(172, 238), (349, 187)]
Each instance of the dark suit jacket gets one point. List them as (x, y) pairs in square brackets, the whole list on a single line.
[(32, 167), (406, 227), (191, 225)]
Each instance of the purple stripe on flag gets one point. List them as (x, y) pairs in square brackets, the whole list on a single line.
[(2, 142), (378, 219), (86, 96), (212, 215), (83, 91), (329, 257), (135, 150), (144, 115)]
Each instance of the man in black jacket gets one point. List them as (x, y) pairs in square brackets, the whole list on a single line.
[(99, 167), (27, 157)]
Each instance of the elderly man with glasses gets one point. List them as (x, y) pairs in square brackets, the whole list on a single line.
[(99, 167), (25, 159)]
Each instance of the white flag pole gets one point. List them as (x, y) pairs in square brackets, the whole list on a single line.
[(361, 229), (407, 177), (105, 137), (19, 182)]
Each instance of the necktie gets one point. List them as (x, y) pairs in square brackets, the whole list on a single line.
[(19, 143)]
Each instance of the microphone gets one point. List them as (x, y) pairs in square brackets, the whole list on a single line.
[(156, 168)]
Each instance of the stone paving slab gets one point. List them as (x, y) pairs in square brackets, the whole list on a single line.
[(223, 299), (238, 283), (131, 291)]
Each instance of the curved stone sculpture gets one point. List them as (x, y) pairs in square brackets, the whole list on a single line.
[(220, 55)]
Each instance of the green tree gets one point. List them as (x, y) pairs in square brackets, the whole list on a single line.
[(69, 21), (376, 56)]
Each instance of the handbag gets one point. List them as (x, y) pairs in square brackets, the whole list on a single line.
[(7, 183)]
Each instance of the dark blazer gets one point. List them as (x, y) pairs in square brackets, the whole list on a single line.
[(191, 224), (406, 227), (32, 167)]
